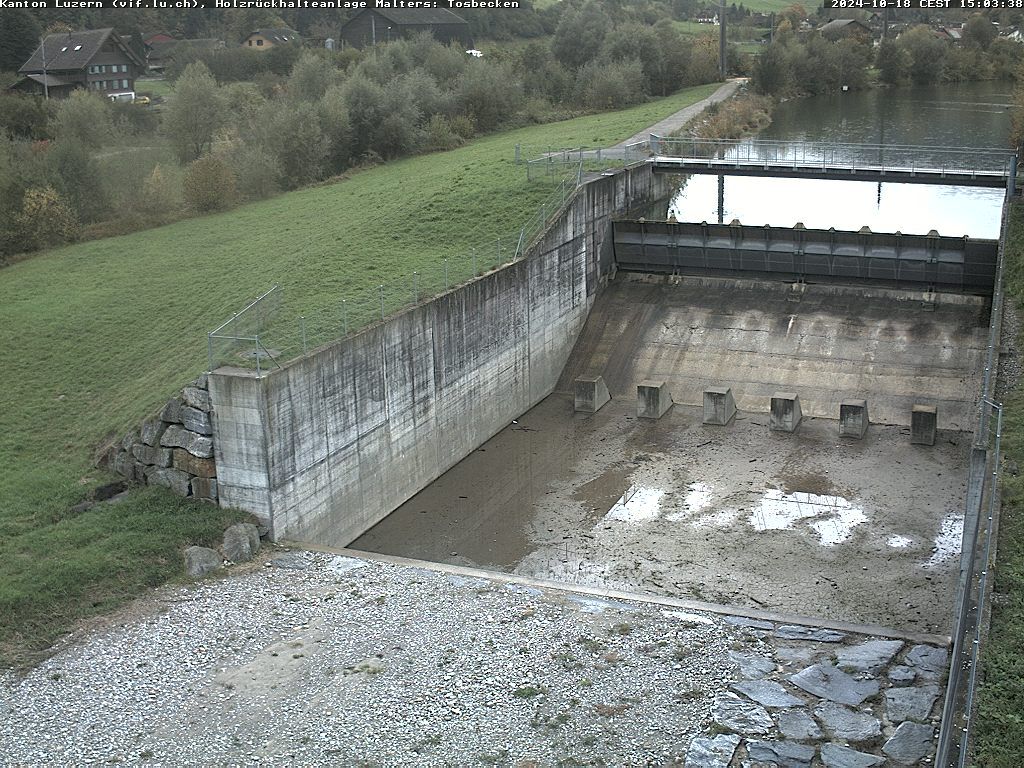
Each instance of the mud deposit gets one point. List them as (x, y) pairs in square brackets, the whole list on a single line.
[(807, 523)]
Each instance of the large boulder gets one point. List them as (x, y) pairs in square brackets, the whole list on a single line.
[(241, 542), (186, 462), (174, 479), (204, 488), (197, 398), (146, 454), (200, 561), (196, 421), (152, 430), (179, 437), (171, 412)]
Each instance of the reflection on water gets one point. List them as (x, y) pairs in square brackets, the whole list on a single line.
[(912, 209), (963, 115), (637, 505), (948, 541), (835, 516)]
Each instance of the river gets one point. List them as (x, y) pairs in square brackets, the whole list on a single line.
[(961, 115)]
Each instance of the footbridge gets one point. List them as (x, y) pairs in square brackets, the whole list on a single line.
[(983, 167)]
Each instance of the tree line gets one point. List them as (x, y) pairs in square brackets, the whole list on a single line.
[(243, 125), (796, 64)]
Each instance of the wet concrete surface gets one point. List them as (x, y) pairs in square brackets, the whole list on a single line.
[(805, 523)]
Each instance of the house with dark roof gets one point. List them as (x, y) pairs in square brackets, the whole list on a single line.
[(262, 39), (96, 59), (842, 29), (382, 25)]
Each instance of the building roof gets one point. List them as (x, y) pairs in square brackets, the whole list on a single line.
[(420, 16), (73, 50), (838, 26), (277, 35)]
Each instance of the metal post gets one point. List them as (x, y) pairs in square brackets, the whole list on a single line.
[(499, 251), (381, 302), (474, 262), (344, 318), (518, 154), (445, 274), (209, 352), (302, 324), (1011, 177), (415, 287), (257, 341)]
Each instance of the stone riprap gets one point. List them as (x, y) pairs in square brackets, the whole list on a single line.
[(173, 449), (324, 660)]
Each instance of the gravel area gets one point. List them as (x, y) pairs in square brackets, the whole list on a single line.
[(315, 659)]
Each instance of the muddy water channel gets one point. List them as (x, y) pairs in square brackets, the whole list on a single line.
[(809, 524)]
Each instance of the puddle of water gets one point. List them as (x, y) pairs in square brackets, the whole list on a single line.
[(698, 497), (899, 542), (637, 505), (948, 541), (779, 511)]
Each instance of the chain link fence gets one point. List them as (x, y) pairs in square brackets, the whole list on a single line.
[(549, 162), (274, 328)]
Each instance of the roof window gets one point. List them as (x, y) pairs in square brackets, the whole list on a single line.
[(63, 49), (78, 47)]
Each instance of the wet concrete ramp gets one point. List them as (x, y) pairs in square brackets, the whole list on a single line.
[(826, 343)]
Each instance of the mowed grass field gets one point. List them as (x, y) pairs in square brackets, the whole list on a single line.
[(97, 335)]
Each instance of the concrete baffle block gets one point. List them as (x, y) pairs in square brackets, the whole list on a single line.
[(719, 405), (591, 394), (923, 422), (652, 399), (853, 418), (785, 413)]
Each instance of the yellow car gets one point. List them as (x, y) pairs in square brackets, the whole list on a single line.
[(144, 100)]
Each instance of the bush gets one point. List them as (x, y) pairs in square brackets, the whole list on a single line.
[(489, 92), (439, 134), (160, 198), (209, 185), (85, 117), (610, 85), (257, 173), (25, 117), (45, 220)]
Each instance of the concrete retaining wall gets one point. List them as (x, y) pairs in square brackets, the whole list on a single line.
[(326, 448)]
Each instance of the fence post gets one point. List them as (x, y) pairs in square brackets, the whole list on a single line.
[(474, 262), (257, 341), (415, 287), (209, 351), (499, 251), (445, 273), (302, 324), (517, 154), (381, 301), (344, 317)]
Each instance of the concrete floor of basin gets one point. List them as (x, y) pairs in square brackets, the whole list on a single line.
[(805, 523)]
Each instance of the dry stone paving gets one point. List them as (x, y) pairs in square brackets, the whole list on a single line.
[(314, 659)]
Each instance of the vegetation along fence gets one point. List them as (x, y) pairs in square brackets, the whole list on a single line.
[(270, 330)]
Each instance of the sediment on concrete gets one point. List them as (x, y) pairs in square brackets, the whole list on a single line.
[(338, 439)]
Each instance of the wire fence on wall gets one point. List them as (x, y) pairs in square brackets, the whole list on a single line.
[(274, 327)]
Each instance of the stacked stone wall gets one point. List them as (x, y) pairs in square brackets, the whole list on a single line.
[(174, 448)]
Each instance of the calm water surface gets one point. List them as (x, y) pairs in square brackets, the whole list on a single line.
[(964, 115)]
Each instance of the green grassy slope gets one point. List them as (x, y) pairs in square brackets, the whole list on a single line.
[(999, 735), (98, 334)]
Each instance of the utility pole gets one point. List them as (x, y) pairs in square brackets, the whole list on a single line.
[(46, 84), (722, 71)]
